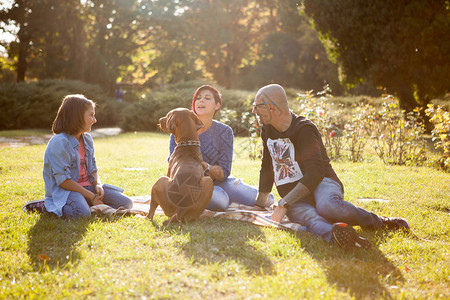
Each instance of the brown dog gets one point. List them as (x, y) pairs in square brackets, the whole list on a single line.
[(185, 192)]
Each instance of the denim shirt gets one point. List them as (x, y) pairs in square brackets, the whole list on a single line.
[(62, 162)]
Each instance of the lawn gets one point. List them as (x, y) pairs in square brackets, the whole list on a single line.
[(130, 257)]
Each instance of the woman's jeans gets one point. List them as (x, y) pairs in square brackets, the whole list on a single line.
[(330, 208), (234, 190), (77, 206)]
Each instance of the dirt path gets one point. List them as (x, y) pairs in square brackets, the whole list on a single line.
[(15, 142)]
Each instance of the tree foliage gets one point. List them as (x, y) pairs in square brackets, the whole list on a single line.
[(402, 46), (89, 40), (235, 43)]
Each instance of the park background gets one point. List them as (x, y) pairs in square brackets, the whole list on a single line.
[(373, 75)]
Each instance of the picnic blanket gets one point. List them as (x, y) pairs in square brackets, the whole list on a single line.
[(239, 212)]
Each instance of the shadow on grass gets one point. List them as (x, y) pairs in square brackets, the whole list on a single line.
[(222, 242), (52, 241), (364, 274)]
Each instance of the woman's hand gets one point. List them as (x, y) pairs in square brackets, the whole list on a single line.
[(278, 214), (215, 172)]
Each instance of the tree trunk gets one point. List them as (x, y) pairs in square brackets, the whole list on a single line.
[(78, 53), (24, 45), (406, 99), (408, 103)]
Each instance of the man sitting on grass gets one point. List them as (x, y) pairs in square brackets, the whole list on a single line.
[(295, 158)]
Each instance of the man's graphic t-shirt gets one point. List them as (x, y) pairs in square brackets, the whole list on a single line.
[(285, 168), (293, 156)]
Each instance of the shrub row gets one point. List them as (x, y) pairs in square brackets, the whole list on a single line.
[(34, 104), (143, 115), (347, 125)]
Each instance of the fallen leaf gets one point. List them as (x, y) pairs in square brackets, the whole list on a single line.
[(43, 257), (407, 269)]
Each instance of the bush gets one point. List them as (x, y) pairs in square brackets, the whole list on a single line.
[(440, 118), (144, 114), (327, 116), (35, 104), (398, 136), (237, 111)]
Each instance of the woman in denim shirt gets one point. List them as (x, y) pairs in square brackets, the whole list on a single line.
[(72, 183)]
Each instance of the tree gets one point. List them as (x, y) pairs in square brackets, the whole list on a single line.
[(236, 43), (167, 44), (402, 46), (18, 14), (112, 28), (225, 33), (86, 40), (291, 53), (202, 38), (49, 38), (58, 40)]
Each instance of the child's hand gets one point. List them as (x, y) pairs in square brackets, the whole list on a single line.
[(100, 192)]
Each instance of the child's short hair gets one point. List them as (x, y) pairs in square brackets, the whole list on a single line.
[(70, 116)]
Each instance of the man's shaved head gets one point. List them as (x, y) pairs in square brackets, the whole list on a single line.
[(273, 93)]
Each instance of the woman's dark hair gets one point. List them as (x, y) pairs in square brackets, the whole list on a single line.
[(214, 91), (70, 116)]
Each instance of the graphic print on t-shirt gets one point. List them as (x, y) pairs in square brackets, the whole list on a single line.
[(285, 167), (83, 178)]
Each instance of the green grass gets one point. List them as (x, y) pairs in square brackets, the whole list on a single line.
[(130, 257)]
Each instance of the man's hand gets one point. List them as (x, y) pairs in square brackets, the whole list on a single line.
[(278, 214)]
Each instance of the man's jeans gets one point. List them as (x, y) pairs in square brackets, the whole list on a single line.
[(330, 208), (77, 206)]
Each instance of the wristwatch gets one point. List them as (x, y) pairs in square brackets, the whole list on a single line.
[(282, 203), (207, 169)]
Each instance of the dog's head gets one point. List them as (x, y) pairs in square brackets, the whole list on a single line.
[(180, 117)]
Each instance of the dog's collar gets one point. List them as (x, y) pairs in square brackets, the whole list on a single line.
[(189, 143)]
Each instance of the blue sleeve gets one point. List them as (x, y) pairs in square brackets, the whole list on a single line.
[(58, 155), (226, 152), (172, 145)]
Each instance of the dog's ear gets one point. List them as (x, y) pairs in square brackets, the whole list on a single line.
[(171, 126), (198, 123), (163, 124)]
